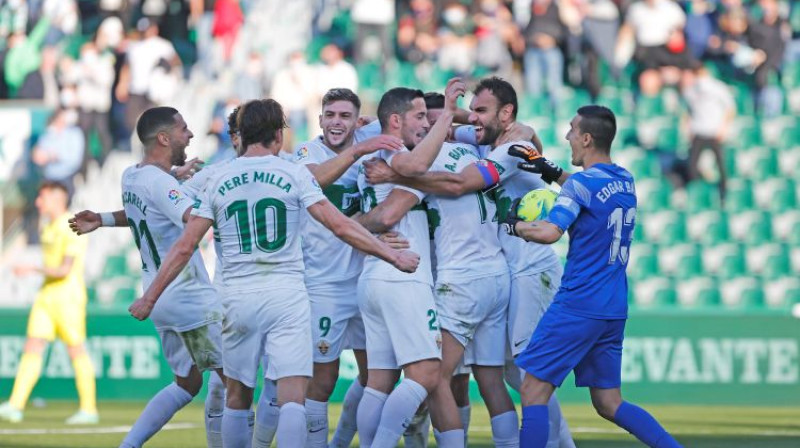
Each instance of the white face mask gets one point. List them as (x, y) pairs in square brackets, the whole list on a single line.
[(454, 16)]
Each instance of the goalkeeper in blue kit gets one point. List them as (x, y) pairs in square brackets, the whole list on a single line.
[(582, 331)]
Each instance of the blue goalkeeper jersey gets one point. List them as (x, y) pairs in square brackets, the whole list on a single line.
[(598, 208)]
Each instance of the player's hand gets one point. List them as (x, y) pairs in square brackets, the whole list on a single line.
[(188, 169), (141, 308), (455, 88), (364, 120), (25, 269), (379, 172), (84, 222), (394, 240), (516, 132), (377, 143), (509, 224), (406, 261), (535, 163)]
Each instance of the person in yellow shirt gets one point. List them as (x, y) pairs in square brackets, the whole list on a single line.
[(58, 311)]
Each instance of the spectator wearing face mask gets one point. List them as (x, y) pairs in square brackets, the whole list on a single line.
[(458, 42)]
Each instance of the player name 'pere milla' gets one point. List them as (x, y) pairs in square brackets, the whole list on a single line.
[(613, 188), (258, 176)]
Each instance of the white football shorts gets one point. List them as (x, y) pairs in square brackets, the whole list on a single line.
[(336, 322), (531, 295), (201, 346)]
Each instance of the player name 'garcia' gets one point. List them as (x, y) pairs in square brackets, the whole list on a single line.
[(258, 176), (131, 198), (613, 188)]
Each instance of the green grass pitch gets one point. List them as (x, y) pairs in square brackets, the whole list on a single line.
[(694, 426)]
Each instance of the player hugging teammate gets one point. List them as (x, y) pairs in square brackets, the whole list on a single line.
[(332, 252)]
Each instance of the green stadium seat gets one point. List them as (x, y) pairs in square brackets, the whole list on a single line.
[(654, 292), (644, 165), (707, 227), (701, 196), (643, 261), (782, 292), (786, 226), (742, 293), (697, 292), (751, 227), (743, 96), (653, 193), (532, 107), (682, 260), (789, 161), (739, 195), (116, 266), (747, 133), (776, 194), (769, 260), (648, 107), (725, 260), (664, 227)]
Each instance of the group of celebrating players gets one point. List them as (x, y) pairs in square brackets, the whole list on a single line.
[(397, 239)]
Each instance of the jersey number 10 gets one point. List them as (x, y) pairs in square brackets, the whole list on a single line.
[(267, 214), (616, 223)]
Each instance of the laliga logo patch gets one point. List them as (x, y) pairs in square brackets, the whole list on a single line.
[(174, 195), (302, 153), (323, 347)]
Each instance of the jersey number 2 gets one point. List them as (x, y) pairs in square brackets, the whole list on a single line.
[(267, 214), (616, 223)]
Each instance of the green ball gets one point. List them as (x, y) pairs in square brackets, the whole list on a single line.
[(536, 204)]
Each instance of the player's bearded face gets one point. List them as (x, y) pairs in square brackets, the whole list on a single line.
[(338, 123), (179, 137), (485, 117), (415, 124)]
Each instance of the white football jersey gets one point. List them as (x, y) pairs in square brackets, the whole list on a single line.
[(465, 227), (327, 258), (413, 227), (155, 204), (193, 188), (256, 203), (523, 257)]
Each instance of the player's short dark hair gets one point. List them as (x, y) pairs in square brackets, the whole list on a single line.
[(502, 90), (154, 120), (233, 127), (396, 101), (434, 100), (259, 121), (600, 123), (341, 94)]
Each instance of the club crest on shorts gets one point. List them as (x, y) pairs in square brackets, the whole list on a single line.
[(323, 347)]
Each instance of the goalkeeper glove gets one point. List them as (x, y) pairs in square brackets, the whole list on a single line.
[(535, 163), (509, 224)]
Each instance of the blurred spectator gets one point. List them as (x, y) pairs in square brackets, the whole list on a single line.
[(142, 78), (711, 113), (13, 18), (42, 84), (62, 15), (497, 37), (657, 29), (457, 40), (599, 26), (96, 76), (202, 21), (335, 71), (59, 151), (250, 81), (731, 45), (294, 88), (227, 21), (417, 33), (24, 56), (220, 128), (544, 61), (373, 20), (768, 33), (699, 26)]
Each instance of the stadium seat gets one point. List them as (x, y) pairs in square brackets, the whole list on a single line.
[(746, 133), (724, 260), (681, 260), (742, 292), (653, 194), (739, 195), (644, 164), (751, 227), (664, 227), (697, 292), (789, 160), (707, 227), (776, 194), (701, 196), (782, 292), (786, 226), (643, 261), (654, 292), (769, 260)]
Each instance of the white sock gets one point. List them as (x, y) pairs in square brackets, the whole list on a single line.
[(157, 413), (236, 430), (317, 419), (346, 429), (554, 416), (564, 435), (292, 432), (267, 414), (215, 404), (398, 413), (465, 412), (505, 429), (369, 415), (453, 438), (418, 431)]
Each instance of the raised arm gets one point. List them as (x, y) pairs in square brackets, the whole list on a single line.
[(328, 172), (418, 161), (357, 236), (382, 217), (473, 178), (176, 260)]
